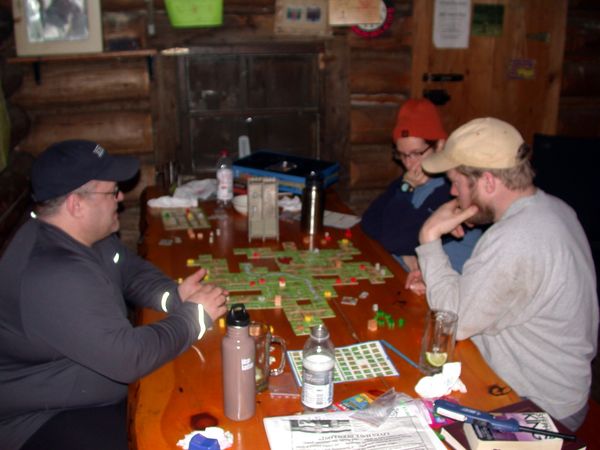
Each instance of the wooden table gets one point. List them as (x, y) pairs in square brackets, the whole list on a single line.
[(162, 403)]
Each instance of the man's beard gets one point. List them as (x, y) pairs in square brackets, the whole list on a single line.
[(484, 216)]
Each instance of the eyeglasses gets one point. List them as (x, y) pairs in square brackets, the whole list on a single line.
[(115, 192), (399, 156)]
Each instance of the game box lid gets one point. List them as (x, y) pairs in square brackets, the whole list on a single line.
[(290, 170)]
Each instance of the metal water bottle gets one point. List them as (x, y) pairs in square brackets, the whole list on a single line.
[(318, 361), (238, 356), (313, 204)]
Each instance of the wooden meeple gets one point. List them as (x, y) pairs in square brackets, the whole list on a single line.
[(263, 209)]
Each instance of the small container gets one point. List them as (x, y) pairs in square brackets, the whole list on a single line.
[(313, 204), (194, 13), (238, 356)]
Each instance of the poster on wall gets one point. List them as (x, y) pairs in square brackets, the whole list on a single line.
[(301, 17), (487, 20), (451, 23)]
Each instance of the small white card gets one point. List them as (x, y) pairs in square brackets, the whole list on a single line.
[(339, 220)]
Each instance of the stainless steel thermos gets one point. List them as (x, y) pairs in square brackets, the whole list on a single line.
[(313, 204)]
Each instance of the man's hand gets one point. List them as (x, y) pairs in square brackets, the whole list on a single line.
[(415, 176), (446, 219), (414, 282), (211, 297)]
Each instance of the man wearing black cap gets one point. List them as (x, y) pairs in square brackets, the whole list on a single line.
[(67, 349)]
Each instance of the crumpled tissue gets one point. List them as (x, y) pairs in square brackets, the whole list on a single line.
[(292, 204), (197, 189), (442, 383), (225, 438), (167, 201)]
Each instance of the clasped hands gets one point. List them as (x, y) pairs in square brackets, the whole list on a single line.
[(213, 298)]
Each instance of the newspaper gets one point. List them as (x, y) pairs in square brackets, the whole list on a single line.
[(404, 429)]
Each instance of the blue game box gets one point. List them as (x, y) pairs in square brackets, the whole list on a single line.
[(291, 171)]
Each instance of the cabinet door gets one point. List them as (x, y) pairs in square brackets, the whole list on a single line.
[(270, 96), (282, 81)]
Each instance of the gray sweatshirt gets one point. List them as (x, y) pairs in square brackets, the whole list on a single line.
[(65, 338), (527, 298)]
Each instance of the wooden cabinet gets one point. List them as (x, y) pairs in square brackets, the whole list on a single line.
[(270, 92)]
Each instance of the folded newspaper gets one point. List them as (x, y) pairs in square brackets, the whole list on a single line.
[(404, 429)]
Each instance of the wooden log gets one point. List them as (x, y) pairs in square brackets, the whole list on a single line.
[(124, 31), (145, 178), (229, 6), (372, 125), (371, 167), (235, 28), (73, 83), (128, 5), (378, 72), (399, 35), (118, 131)]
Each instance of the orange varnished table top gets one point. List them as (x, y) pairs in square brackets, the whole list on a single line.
[(162, 403)]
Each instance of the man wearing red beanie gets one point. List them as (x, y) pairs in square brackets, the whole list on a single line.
[(395, 217)]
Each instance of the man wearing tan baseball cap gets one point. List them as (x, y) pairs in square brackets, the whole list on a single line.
[(394, 218), (527, 295)]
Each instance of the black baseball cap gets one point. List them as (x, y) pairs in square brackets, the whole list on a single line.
[(67, 165)]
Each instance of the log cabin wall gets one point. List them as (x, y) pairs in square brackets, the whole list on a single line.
[(113, 99)]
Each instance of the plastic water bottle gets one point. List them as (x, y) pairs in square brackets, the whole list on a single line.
[(238, 356), (224, 179), (318, 360)]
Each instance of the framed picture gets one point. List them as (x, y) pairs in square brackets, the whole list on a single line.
[(54, 27)]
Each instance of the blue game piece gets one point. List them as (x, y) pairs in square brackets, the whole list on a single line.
[(200, 442)]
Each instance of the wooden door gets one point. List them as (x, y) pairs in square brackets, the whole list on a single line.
[(514, 76)]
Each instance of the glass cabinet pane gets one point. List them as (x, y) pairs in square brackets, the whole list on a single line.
[(214, 82)]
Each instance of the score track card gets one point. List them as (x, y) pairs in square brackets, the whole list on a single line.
[(352, 363)]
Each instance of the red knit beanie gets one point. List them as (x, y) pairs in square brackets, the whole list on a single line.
[(419, 118)]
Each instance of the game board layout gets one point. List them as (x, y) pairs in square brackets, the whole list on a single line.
[(184, 218), (305, 279), (352, 363)]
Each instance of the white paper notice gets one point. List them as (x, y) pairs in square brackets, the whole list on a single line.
[(451, 23)]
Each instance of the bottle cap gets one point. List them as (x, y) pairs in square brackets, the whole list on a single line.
[(319, 332), (238, 316)]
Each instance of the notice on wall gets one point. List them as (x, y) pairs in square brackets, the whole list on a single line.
[(451, 23), (354, 12)]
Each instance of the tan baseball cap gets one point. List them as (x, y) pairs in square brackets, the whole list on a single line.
[(485, 143)]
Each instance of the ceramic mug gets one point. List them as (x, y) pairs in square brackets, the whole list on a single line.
[(264, 341)]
